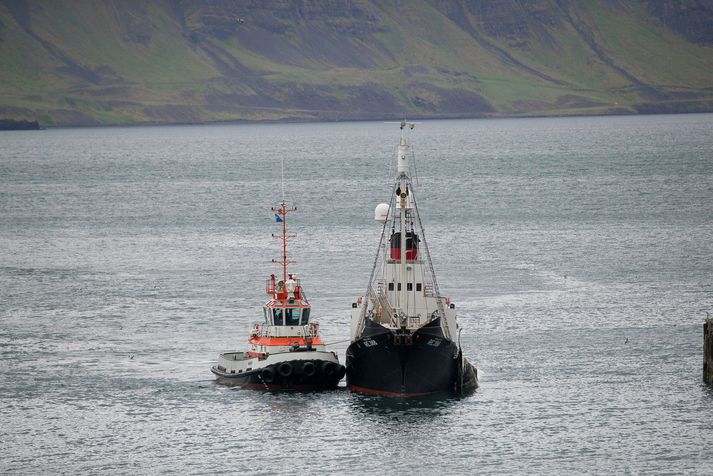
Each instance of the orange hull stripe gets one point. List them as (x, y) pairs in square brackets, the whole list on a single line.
[(284, 341)]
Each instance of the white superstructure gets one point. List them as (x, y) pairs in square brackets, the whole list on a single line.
[(402, 291)]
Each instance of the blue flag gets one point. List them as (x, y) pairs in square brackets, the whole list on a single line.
[(278, 218)]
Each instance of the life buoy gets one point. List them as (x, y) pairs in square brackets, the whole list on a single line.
[(267, 375), (309, 369), (329, 369), (285, 369)]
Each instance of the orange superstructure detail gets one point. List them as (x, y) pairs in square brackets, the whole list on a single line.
[(284, 341)]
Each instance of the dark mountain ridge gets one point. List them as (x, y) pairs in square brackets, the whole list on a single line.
[(166, 61)]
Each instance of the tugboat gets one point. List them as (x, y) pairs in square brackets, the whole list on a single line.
[(405, 339), (285, 351)]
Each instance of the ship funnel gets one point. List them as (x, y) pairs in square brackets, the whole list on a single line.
[(381, 213)]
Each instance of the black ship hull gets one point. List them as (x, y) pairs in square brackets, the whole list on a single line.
[(322, 375), (399, 364)]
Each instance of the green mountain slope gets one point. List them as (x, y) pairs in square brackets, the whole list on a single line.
[(70, 62)]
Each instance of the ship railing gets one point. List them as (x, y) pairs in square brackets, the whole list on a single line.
[(272, 285), (380, 286), (307, 330), (428, 290), (382, 302), (409, 261), (259, 330)]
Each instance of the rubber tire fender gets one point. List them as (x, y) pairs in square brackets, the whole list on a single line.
[(267, 375), (284, 369), (309, 369), (329, 369)]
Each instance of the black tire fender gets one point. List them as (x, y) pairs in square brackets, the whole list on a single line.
[(284, 369), (267, 375), (329, 369), (309, 369)]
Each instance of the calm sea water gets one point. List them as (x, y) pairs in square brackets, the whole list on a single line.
[(578, 252)]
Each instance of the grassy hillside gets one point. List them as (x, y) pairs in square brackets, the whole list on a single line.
[(69, 62)]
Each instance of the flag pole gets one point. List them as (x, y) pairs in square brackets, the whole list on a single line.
[(282, 182)]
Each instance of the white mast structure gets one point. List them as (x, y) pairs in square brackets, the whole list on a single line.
[(402, 291)]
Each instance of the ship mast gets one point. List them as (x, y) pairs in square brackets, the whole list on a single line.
[(403, 203), (282, 212), (404, 215)]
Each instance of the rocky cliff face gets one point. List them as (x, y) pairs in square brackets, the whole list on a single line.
[(693, 19), (291, 32), (117, 61)]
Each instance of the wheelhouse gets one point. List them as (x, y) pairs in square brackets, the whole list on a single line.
[(278, 314)]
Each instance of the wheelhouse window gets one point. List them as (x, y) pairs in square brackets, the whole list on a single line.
[(409, 286), (268, 316), (288, 316), (391, 286), (277, 317), (292, 316), (418, 286), (305, 316)]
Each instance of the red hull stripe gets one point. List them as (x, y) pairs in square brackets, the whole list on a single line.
[(299, 388), (371, 391), (284, 341)]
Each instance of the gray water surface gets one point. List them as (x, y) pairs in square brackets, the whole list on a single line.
[(578, 252)]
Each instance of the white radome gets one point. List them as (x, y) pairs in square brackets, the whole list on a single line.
[(381, 212)]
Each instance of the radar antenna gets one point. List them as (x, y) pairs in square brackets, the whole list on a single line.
[(402, 125)]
